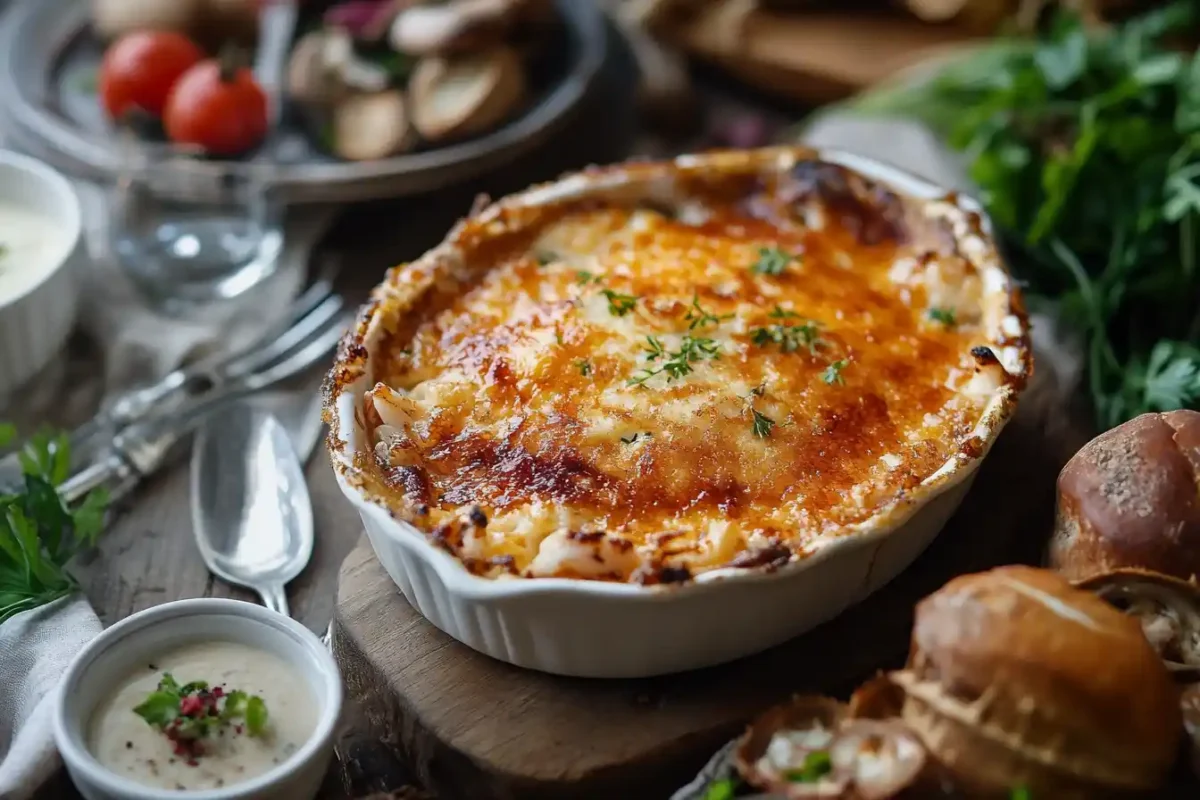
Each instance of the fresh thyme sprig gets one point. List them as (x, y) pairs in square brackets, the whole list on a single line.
[(698, 317), (677, 363), (39, 532)]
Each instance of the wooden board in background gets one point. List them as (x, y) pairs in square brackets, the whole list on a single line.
[(816, 57), (472, 727)]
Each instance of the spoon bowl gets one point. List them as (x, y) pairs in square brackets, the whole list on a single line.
[(251, 511)]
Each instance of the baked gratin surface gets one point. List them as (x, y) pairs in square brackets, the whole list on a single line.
[(642, 392)]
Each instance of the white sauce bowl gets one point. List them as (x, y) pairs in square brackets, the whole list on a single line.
[(36, 320), (127, 646)]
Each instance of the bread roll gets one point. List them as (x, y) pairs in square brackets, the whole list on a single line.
[(1016, 678), (1131, 498)]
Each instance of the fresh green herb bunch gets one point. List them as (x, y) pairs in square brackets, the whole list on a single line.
[(1085, 146), (39, 533)]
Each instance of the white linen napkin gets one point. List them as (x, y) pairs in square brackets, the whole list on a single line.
[(139, 346), (35, 648)]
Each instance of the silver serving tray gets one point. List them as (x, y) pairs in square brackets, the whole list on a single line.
[(48, 60)]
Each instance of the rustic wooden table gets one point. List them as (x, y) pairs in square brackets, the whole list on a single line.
[(148, 555)]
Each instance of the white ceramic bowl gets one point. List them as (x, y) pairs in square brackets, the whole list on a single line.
[(127, 645), (620, 630), (35, 323)]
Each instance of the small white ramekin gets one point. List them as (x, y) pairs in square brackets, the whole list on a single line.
[(127, 645), (34, 325)]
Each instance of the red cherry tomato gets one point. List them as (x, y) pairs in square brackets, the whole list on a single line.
[(140, 68), (220, 109)]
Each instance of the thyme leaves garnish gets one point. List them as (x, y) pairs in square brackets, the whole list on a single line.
[(772, 261), (833, 372), (619, 304), (697, 316), (762, 424), (678, 363)]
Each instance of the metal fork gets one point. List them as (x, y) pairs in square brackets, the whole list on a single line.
[(310, 313), (141, 448)]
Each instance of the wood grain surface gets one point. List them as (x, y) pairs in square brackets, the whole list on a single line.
[(473, 727)]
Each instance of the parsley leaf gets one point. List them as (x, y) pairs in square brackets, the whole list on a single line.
[(772, 261), (833, 373), (159, 708), (619, 304), (584, 366), (256, 716), (583, 277), (1020, 793), (545, 258), (762, 424), (39, 533)]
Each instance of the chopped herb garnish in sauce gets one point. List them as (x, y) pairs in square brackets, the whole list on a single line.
[(584, 366), (634, 438), (944, 316), (584, 277), (772, 261), (545, 257), (191, 713), (698, 317), (619, 304), (679, 362), (833, 373), (817, 765), (1020, 793), (762, 424)]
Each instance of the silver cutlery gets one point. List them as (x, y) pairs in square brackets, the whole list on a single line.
[(141, 448), (251, 512), (311, 313)]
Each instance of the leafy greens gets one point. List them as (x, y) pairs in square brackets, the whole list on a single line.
[(39, 533), (1085, 146)]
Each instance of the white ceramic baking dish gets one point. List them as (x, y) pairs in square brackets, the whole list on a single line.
[(620, 630)]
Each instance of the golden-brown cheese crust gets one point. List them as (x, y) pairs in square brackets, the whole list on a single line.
[(537, 417)]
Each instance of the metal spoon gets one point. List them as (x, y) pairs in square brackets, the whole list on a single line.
[(251, 512)]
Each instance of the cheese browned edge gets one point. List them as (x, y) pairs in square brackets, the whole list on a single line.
[(502, 369)]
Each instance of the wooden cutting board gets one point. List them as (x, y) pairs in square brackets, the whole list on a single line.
[(476, 728), (815, 56)]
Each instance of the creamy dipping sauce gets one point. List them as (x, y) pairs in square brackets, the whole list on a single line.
[(128, 745), (31, 246)]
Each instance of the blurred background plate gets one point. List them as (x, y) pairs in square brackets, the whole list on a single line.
[(48, 65)]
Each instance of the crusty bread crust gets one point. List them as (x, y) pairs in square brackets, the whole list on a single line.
[(1015, 677), (1131, 498)]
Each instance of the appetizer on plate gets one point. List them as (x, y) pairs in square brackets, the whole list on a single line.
[(1018, 686), (369, 78)]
